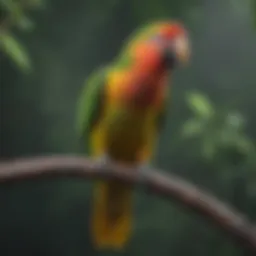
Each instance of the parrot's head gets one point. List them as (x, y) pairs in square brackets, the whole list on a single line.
[(172, 39), (149, 54), (167, 41)]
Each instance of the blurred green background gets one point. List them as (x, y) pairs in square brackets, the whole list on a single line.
[(47, 50)]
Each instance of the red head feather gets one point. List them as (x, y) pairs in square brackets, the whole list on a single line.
[(148, 73), (172, 30)]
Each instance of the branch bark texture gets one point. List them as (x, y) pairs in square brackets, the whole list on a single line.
[(165, 185)]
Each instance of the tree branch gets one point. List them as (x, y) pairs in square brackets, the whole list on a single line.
[(170, 186)]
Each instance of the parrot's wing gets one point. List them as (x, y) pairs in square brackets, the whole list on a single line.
[(90, 105)]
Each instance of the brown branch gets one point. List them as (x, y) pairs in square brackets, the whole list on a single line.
[(170, 186)]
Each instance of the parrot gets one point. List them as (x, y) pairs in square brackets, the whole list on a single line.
[(121, 112)]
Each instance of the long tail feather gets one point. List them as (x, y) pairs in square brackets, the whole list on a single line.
[(112, 215)]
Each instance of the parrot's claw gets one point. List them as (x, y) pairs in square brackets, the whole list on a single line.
[(102, 161), (143, 171)]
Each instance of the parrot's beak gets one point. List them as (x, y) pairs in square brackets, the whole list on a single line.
[(182, 50), (178, 53)]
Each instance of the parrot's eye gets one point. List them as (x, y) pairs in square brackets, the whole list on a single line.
[(169, 56), (160, 41), (156, 38)]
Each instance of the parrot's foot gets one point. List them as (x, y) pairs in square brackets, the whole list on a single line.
[(102, 161), (144, 170)]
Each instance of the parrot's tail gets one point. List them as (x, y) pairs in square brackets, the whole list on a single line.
[(112, 215)]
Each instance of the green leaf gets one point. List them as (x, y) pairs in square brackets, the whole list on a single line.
[(15, 51), (25, 23), (192, 128), (200, 105), (235, 120), (17, 14), (244, 144), (209, 147)]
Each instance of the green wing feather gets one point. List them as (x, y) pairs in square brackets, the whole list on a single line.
[(90, 105)]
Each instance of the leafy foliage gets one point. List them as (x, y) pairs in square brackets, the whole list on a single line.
[(216, 129), (11, 46), (14, 15)]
